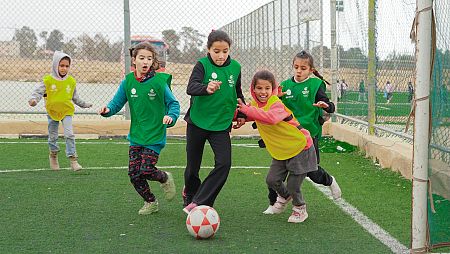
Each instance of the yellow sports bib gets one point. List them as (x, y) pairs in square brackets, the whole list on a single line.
[(283, 140), (59, 97)]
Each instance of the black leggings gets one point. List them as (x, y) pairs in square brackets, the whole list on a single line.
[(205, 193), (141, 168)]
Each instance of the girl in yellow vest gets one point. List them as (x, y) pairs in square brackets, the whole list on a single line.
[(59, 90), (289, 144)]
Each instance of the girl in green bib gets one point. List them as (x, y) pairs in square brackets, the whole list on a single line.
[(214, 87), (305, 96), (153, 108)]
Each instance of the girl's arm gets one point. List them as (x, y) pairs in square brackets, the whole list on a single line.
[(195, 86), (239, 93), (322, 96), (78, 101), (37, 94), (118, 101), (274, 115), (172, 106), (240, 96)]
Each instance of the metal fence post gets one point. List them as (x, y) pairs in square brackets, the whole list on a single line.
[(333, 55), (371, 67), (421, 127), (126, 46)]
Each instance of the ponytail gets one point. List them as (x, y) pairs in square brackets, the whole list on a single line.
[(317, 74)]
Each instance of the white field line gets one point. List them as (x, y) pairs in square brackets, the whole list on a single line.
[(115, 143), (364, 221), (375, 230)]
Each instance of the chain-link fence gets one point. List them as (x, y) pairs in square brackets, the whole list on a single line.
[(92, 32), (395, 61), (265, 34), (439, 163), (270, 37)]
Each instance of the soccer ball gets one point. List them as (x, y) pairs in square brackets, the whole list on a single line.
[(203, 222)]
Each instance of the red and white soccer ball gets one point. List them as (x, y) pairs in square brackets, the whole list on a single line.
[(203, 222)]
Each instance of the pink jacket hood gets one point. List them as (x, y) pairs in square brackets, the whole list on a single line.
[(262, 104)]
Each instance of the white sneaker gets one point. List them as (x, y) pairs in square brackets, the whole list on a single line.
[(335, 189), (149, 207), (280, 204), (169, 187), (269, 210), (298, 215)]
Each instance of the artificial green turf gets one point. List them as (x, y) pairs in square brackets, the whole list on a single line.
[(95, 210)]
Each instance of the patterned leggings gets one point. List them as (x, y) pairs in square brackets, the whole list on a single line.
[(141, 168)]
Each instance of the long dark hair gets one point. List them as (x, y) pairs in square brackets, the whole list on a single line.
[(305, 55)]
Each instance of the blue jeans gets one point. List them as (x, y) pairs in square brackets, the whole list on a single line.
[(68, 135)]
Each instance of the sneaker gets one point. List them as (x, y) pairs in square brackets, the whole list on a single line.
[(169, 187), (53, 158), (189, 207), (280, 204), (298, 215), (149, 207), (335, 189), (74, 163), (269, 210)]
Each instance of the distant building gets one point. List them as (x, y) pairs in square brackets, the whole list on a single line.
[(9, 48)]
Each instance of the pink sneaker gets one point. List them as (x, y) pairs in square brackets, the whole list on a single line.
[(281, 204), (189, 207), (298, 215)]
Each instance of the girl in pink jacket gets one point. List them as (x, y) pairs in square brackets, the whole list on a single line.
[(289, 144)]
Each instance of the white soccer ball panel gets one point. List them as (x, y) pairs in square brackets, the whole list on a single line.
[(203, 222), (205, 232)]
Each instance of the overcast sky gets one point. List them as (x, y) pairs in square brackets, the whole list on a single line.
[(151, 17), (106, 16)]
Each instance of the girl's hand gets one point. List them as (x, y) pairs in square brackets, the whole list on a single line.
[(104, 110), (213, 86), (239, 123), (240, 104), (167, 119), (32, 102), (321, 104), (280, 92)]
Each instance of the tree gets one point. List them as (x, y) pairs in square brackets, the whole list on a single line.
[(87, 46), (43, 35), (70, 48), (173, 40), (54, 41), (102, 48), (353, 58), (116, 51), (192, 42), (27, 40)]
